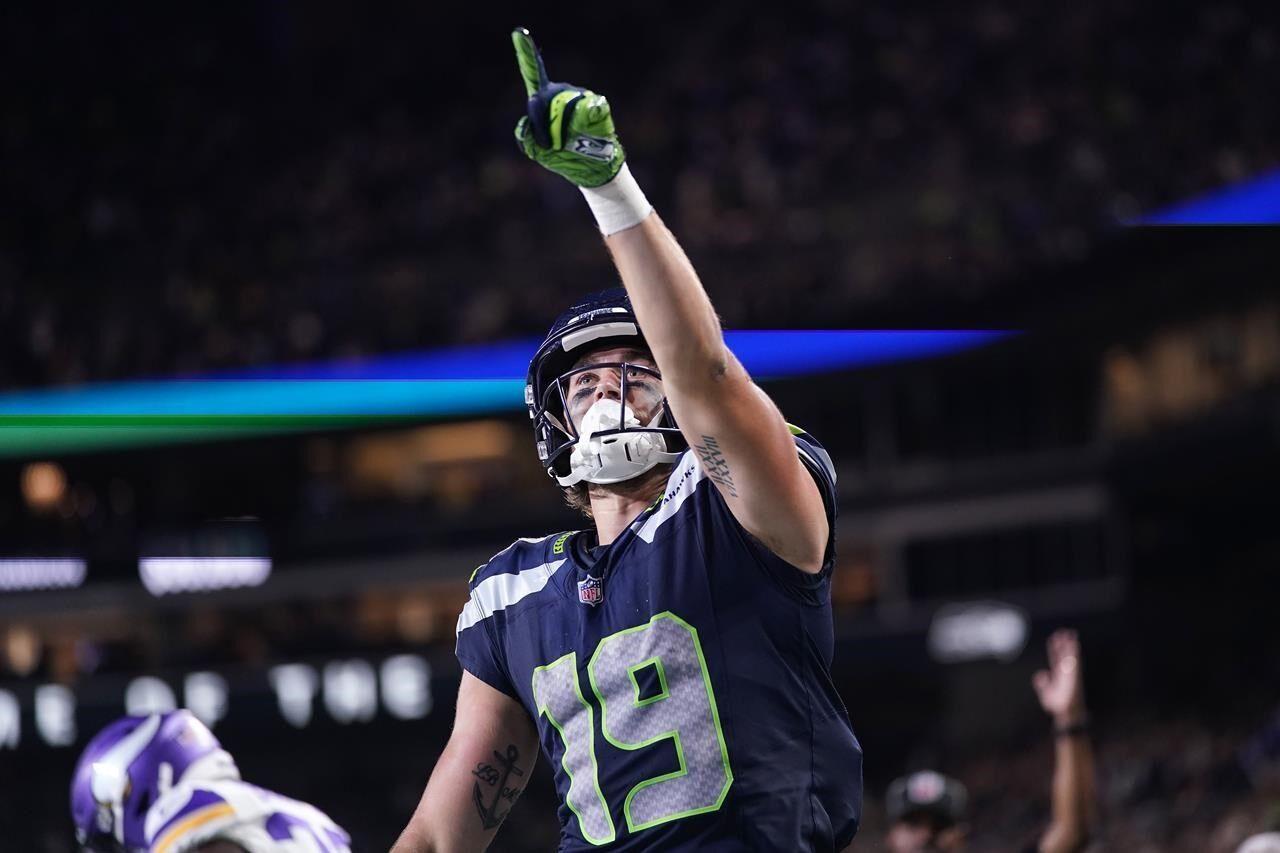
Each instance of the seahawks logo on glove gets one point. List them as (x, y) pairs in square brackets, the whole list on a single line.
[(593, 147)]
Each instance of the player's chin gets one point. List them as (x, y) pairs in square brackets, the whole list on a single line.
[(645, 480)]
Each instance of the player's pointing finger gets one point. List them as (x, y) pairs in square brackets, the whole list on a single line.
[(529, 60)]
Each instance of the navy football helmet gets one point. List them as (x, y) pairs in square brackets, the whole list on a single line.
[(604, 319)]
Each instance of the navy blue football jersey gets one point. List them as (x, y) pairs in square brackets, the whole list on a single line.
[(679, 678)]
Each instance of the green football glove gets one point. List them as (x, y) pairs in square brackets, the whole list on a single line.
[(568, 129)]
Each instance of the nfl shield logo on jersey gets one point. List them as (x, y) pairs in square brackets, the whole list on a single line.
[(591, 591)]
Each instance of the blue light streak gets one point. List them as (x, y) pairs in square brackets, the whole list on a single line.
[(453, 382)]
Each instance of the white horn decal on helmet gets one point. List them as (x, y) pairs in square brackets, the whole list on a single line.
[(110, 780)]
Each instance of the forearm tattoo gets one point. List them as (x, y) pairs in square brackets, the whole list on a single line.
[(495, 791), (715, 465)]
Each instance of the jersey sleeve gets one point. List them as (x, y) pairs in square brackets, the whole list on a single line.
[(818, 462), (188, 818), (477, 649), (806, 587), (192, 815)]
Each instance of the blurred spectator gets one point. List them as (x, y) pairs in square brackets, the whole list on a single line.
[(929, 812)]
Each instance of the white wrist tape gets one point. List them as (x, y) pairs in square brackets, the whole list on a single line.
[(619, 204)]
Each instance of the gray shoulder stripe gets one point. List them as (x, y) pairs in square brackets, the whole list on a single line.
[(823, 461), (501, 591)]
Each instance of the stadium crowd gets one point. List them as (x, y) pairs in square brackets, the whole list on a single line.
[(1172, 785), (299, 184)]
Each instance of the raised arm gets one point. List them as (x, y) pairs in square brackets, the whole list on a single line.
[(1060, 689), (740, 436), (738, 433), (481, 772)]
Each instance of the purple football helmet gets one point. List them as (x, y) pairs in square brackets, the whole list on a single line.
[(129, 765)]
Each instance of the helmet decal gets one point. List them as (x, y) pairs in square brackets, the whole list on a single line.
[(129, 765)]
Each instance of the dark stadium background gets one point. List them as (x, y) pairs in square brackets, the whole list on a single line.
[(195, 188)]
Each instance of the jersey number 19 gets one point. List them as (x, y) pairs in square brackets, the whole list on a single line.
[(683, 709)]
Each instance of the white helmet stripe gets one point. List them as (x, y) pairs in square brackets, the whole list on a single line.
[(573, 340)]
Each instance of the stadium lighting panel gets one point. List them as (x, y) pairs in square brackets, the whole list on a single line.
[(165, 575), (25, 574), (976, 630)]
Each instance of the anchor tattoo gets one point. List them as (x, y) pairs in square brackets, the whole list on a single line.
[(496, 776)]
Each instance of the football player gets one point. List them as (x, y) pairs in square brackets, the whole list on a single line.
[(672, 660), (162, 783)]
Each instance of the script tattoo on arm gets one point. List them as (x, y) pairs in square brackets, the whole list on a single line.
[(499, 788), (715, 465)]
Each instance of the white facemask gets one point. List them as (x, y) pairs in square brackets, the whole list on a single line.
[(614, 458)]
